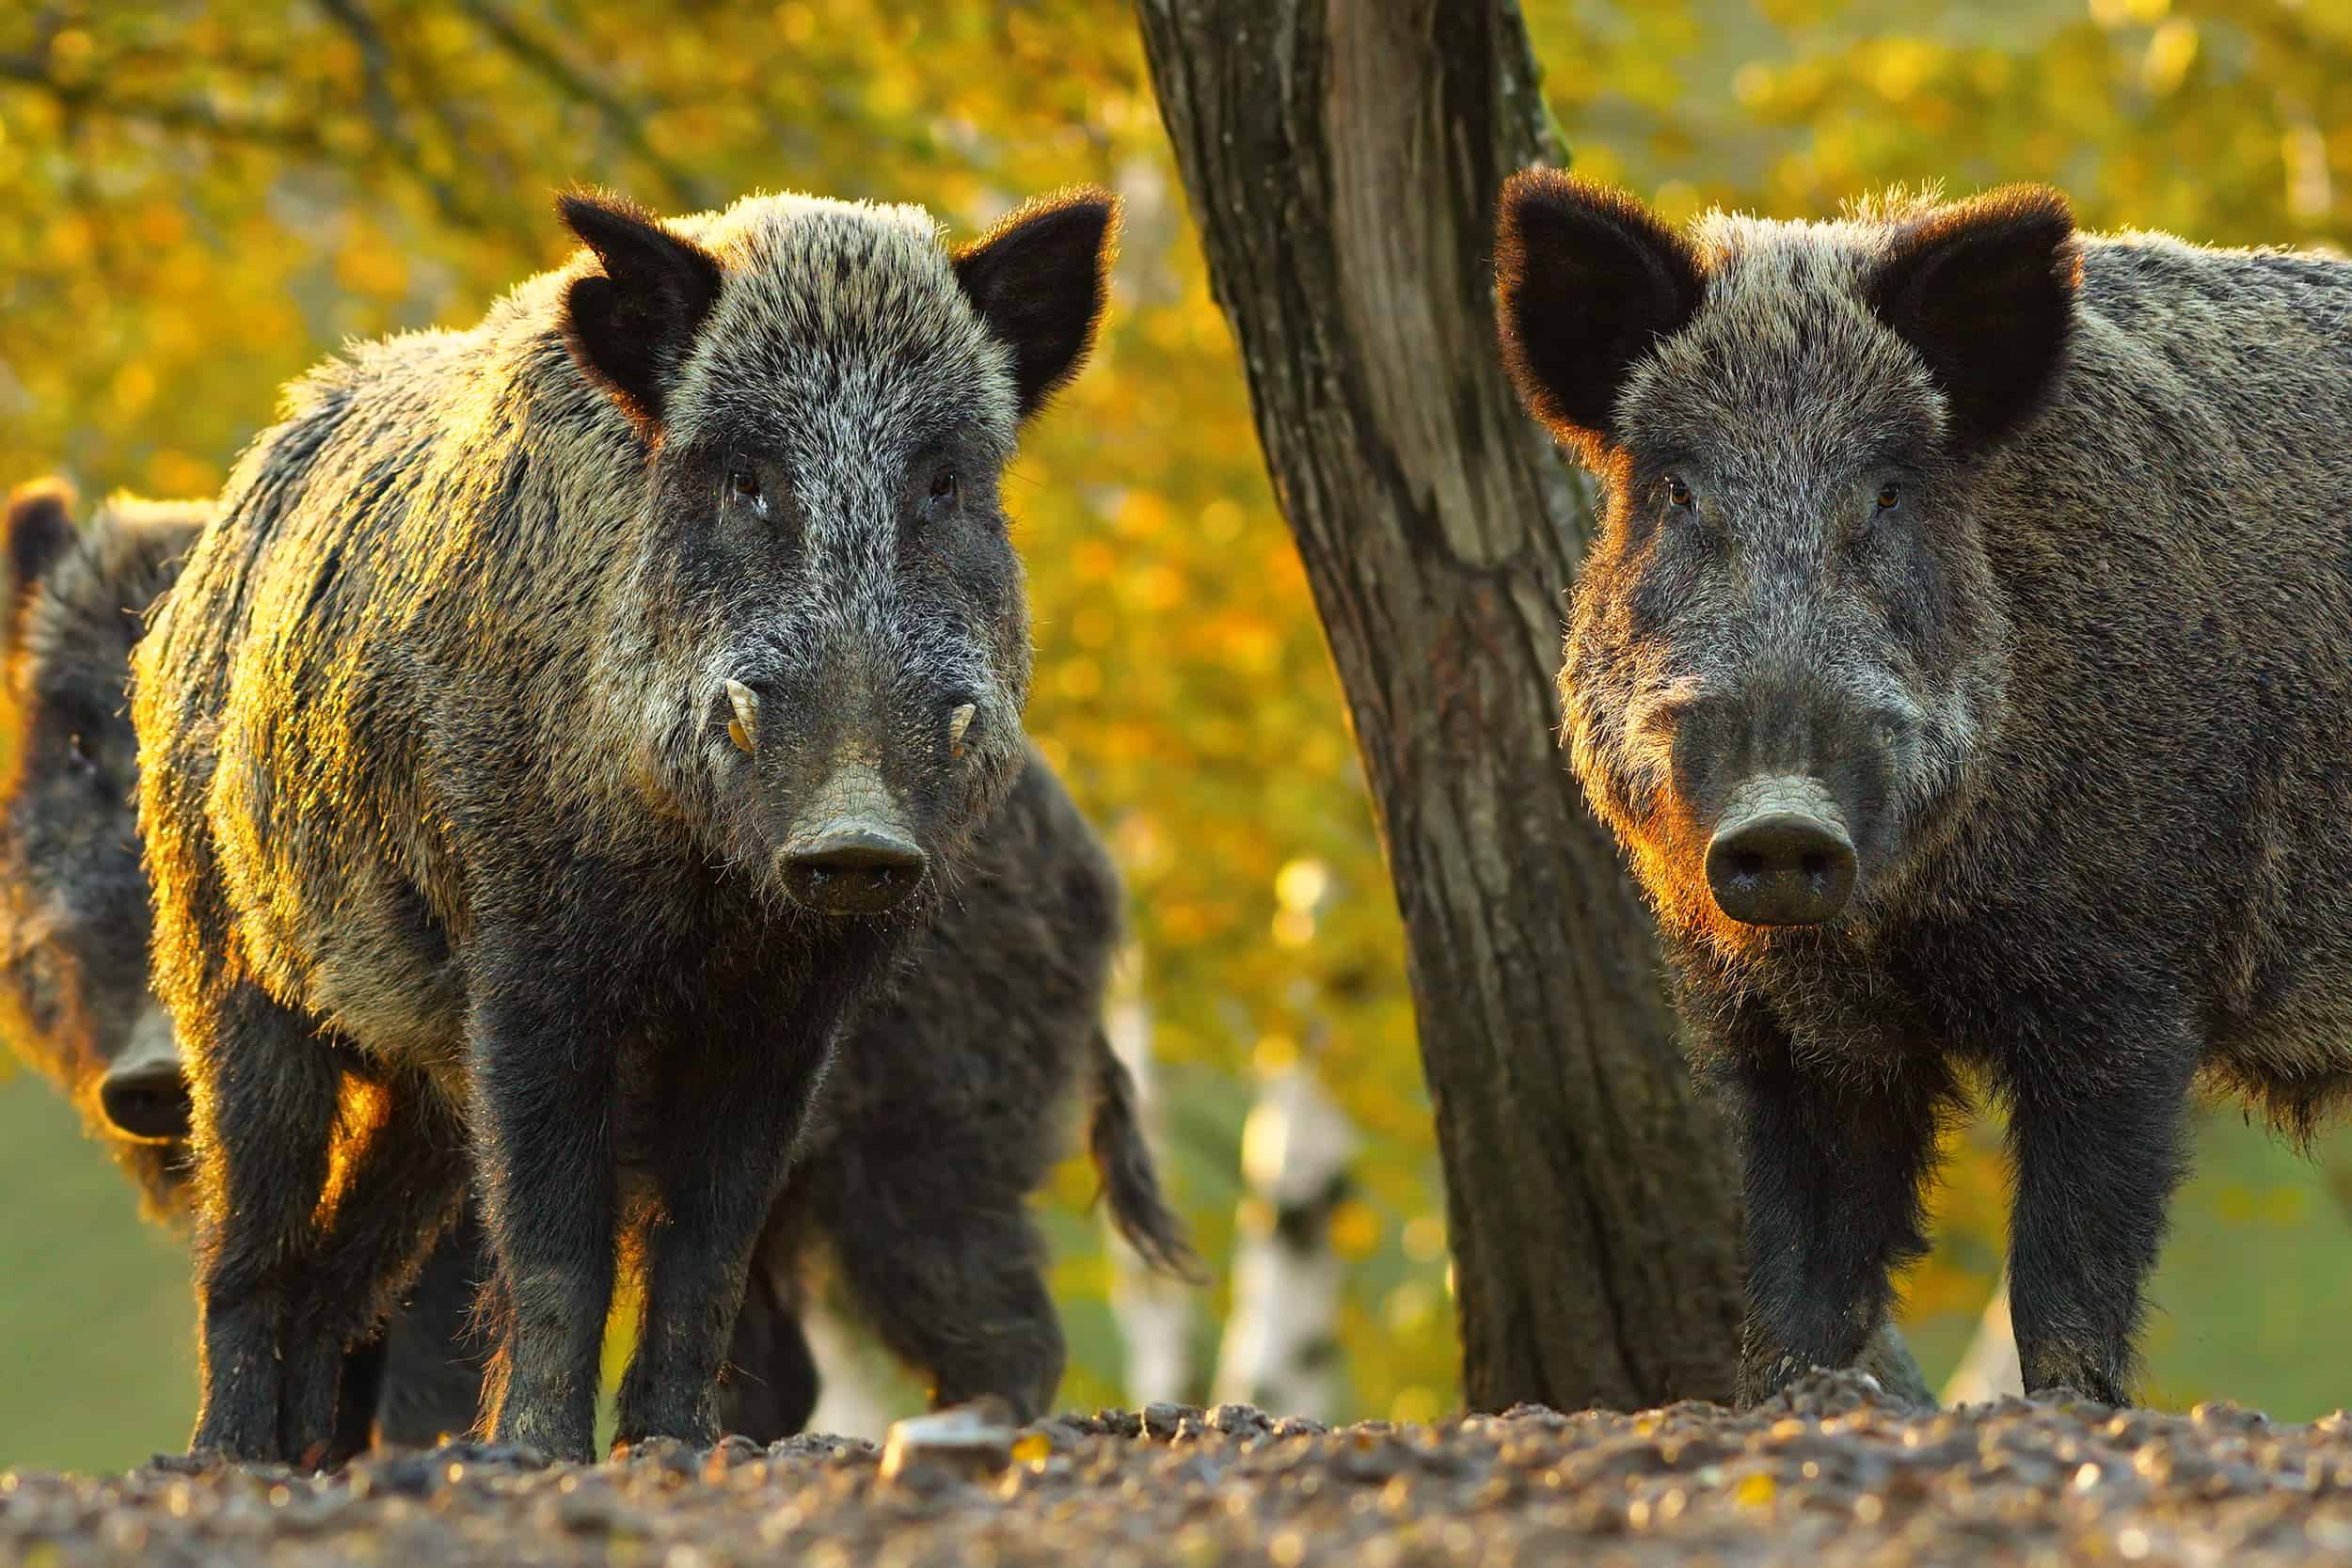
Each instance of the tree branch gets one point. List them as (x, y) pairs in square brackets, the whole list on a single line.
[(383, 111), (623, 120), (188, 114)]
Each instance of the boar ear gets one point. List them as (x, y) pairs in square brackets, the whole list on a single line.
[(631, 326), (41, 525), (1586, 280), (1984, 290), (1038, 279)]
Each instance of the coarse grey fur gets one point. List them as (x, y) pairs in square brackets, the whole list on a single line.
[(457, 827), (2031, 550)]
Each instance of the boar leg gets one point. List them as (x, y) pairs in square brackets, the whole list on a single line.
[(2097, 1160), (397, 1187), (542, 1111), (264, 1119), (770, 1382), (357, 1395), (948, 1267), (418, 1380), (433, 1358), (729, 1117), (1833, 1167), (286, 1280)]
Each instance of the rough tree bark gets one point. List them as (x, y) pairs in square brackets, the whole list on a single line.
[(1342, 158)]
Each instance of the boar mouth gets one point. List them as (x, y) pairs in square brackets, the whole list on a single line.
[(1780, 854)]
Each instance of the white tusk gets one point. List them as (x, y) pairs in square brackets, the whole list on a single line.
[(744, 728), (958, 722)]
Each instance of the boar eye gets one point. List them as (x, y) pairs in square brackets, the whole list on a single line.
[(945, 487), (1678, 493), (1889, 498), (742, 487)]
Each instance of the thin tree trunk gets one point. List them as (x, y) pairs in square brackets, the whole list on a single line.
[(1343, 159), (1154, 1312), (1281, 1334), (1989, 1370)]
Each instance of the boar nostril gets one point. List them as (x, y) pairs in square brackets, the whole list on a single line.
[(852, 869), (148, 1104), (1779, 855)]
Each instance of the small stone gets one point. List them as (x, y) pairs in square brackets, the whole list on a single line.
[(965, 1442), (1063, 1431), (734, 1448), (818, 1444), (1239, 1419), (492, 1456), (672, 1454), (1163, 1420)]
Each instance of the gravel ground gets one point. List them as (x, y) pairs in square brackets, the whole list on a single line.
[(1829, 1474)]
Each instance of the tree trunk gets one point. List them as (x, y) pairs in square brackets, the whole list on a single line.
[(1342, 158)]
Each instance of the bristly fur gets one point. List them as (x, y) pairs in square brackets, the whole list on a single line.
[(2027, 547), (995, 1022), (442, 711)]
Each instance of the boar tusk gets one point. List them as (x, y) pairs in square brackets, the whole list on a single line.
[(958, 722), (743, 729)]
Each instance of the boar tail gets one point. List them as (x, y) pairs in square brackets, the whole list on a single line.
[(1122, 1161)]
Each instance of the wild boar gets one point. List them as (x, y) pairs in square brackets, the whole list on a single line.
[(565, 726), (1961, 666)]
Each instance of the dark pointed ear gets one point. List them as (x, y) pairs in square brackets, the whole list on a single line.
[(1038, 279), (1586, 280), (631, 328), (1984, 290), (41, 525)]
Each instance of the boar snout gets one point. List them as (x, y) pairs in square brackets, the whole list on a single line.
[(856, 857), (144, 1095), (1779, 855), (852, 869)]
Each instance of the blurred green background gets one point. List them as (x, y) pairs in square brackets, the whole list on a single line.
[(205, 197)]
